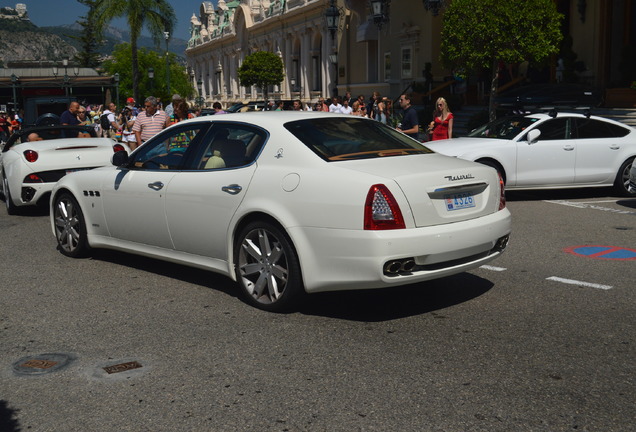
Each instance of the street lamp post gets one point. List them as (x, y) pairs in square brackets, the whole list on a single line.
[(14, 81), (116, 78), (332, 15), (151, 76), (166, 34)]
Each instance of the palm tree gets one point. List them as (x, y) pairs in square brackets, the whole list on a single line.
[(156, 15)]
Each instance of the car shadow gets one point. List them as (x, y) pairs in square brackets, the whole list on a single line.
[(372, 305), (627, 202), (559, 194), (397, 302)]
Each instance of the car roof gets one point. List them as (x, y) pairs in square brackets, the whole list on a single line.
[(265, 118)]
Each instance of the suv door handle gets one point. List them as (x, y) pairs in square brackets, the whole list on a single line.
[(156, 185), (232, 189)]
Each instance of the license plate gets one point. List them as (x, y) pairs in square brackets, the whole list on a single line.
[(459, 201)]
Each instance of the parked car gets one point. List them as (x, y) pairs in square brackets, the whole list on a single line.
[(34, 158), (551, 151), (286, 203)]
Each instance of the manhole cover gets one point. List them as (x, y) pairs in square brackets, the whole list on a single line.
[(41, 363)]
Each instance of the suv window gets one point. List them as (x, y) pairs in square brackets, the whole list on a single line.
[(590, 128)]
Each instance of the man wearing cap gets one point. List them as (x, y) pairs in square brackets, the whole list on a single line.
[(130, 103)]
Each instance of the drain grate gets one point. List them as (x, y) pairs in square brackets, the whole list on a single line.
[(41, 364), (122, 367)]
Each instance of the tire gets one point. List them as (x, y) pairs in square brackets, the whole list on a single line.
[(12, 209), (621, 183), (70, 227), (267, 268)]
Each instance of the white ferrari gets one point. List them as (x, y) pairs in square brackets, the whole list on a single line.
[(287, 203), (551, 151), (33, 159)]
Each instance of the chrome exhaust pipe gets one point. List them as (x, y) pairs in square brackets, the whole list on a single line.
[(407, 265), (392, 267)]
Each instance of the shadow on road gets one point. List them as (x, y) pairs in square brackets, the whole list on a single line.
[(397, 302), (360, 305), (8, 422)]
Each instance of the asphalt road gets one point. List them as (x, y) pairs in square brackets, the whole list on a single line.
[(541, 340)]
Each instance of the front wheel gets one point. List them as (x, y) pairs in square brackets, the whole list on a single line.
[(12, 209), (621, 184), (70, 226), (267, 267)]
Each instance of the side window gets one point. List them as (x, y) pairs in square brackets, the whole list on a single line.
[(230, 146), (169, 149), (556, 129), (589, 128)]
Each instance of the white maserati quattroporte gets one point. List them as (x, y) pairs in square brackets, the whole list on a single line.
[(288, 203)]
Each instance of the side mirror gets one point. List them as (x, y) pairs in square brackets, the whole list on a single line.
[(119, 158), (533, 136)]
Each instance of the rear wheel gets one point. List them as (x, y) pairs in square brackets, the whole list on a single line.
[(11, 207), (494, 164), (70, 226), (621, 184), (267, 267)]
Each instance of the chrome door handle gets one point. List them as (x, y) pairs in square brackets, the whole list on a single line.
[(615, 147), (156, 185), (568, 148), (232, 189)]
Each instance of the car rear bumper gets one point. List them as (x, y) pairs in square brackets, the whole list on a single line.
[(334, 259)]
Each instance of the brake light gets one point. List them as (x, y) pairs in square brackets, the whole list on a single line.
[(502, 193), (118, 147), (381, 210), (33, 178), (31, 155)]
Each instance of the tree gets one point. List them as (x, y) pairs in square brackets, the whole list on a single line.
[(90, 37), (262, 69), (156, 15), (121, 63), (483, 33)]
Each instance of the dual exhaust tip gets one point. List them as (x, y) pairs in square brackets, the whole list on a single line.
[(395, 267)]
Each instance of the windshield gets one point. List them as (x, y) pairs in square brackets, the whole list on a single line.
[(341, 138), (504, 128)]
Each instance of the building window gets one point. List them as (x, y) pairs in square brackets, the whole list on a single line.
[(387, 66), (407, 62)]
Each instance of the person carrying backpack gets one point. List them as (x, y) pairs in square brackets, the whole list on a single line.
[(108, 121)]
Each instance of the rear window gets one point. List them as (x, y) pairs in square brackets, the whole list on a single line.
[(343, 138)]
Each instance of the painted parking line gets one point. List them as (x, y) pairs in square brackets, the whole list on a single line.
[(587, 205), (492, 268), (579, 283)]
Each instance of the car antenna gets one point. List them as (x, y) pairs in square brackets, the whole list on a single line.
[(587, 113), (552, 113)]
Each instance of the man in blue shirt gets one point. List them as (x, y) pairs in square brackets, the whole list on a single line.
[(410, 123), (69, 117)]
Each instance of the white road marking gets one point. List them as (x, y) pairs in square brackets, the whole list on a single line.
[(583, 205), (497, 269), (579, 283)]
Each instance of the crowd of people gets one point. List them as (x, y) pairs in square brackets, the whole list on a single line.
[(134, 123)]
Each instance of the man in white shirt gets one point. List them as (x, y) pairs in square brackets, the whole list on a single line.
[(346, 109), (335, 106)]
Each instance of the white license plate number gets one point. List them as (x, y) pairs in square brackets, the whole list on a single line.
[(459, 201)]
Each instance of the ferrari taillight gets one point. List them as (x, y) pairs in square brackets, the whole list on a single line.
[(31, 155), (118, 147), (381, 210), (502, 193)]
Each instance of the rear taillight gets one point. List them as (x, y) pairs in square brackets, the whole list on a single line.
[(381, 211), (118, 147), (31, 155), (502, 193), (33, 178)]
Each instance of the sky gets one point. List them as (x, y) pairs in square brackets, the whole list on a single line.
[(44, 13)]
